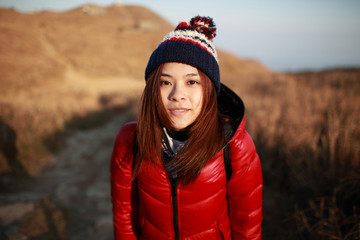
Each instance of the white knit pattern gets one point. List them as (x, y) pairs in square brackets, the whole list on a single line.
[(195, 36)]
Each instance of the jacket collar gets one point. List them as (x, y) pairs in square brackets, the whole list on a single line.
[(232, 109)]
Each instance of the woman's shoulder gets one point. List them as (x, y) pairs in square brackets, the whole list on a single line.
[(126, 134), (242, 145), (122, 151), (239, 132), (128, 128)]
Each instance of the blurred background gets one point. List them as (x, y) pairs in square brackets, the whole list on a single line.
[(72, 72)]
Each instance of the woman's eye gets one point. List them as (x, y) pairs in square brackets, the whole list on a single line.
[(192, 82), (164, 82)]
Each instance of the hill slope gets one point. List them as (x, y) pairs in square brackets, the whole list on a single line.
[(58, 65)]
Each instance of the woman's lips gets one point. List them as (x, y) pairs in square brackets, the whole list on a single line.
[(178, 111)]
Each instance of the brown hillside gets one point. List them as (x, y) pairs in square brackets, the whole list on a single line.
[(94, 44), (57, 65), (92, 40)]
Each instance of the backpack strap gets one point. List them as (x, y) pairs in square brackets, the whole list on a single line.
[(227, 161)]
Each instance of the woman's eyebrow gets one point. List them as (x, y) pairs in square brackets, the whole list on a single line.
[(165, 75), (191, 75), (186, 75)]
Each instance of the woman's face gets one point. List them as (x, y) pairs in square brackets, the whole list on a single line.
[(181, 93)]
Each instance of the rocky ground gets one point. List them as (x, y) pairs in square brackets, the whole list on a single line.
[(70, 200)]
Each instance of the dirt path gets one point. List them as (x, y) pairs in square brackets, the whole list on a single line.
[(79, 182)]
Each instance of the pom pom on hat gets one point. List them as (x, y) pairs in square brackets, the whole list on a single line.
[(190, 43), (204, 25)]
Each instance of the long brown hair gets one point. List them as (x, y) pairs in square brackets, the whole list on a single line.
[(206, 134)]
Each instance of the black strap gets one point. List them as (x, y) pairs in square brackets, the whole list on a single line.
[(227, 161)]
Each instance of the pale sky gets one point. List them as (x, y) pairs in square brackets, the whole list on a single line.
[(284, 35)]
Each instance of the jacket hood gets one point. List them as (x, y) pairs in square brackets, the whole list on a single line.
[(232, 109)]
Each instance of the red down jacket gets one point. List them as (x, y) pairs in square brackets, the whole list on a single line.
[(209, 208)]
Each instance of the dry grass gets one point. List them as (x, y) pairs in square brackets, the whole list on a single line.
[(325, 220), (306, 127), (37, 112)]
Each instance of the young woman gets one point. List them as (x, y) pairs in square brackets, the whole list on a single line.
[(169, 176)]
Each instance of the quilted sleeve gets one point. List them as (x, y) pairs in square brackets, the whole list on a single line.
[(244, 189), (123, 191)]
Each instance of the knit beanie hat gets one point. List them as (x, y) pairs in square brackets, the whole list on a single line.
[(190, 43)]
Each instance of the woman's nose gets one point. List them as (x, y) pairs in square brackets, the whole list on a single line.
[(177, 93)]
